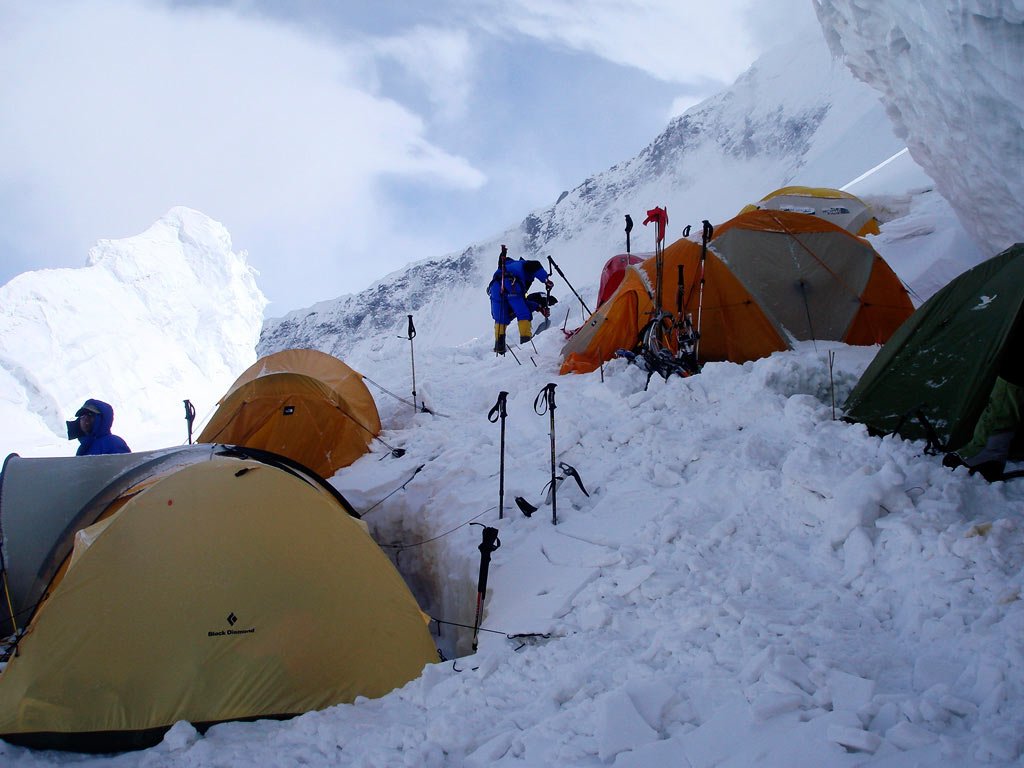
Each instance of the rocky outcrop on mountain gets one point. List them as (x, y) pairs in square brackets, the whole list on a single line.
[(336, 326)]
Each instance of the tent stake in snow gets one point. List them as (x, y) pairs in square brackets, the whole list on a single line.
[(545, 403), (499, 411), (489, 543), (412, 356), (190, 417)]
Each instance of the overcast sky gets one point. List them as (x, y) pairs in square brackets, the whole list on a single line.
[(337, 141)]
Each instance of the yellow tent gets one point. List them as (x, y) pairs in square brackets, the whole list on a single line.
[(841, 208), (201, 583), (300, 403)]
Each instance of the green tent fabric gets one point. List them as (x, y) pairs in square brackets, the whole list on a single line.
[(939, 367)]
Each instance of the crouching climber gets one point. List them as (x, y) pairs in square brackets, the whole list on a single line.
[(509, 298)]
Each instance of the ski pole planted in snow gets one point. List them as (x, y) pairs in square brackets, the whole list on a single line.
[(489, 543), (660, 218), (707, 233), (412, 356), (545, 403), (629, 228), (190, 417), (499, 411)]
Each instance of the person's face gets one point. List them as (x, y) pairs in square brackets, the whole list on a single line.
[(85, 421)]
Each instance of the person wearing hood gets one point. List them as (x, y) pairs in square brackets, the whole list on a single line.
[(91, 427)]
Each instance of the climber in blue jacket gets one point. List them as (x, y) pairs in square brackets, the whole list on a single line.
[(508, 293), (91, 427)]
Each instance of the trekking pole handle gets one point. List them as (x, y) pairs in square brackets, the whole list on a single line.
[(545, 400), (190, 417), (412, 329), (498, 411), (708, 232), (489, 540)]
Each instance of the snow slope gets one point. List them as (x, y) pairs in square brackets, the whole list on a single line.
[(749, 582)]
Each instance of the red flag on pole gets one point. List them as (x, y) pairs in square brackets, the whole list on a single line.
[(660, 218)]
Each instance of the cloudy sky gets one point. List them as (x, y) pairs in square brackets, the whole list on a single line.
[(337, 141)]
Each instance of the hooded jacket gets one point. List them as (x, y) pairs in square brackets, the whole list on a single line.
[(99, 440)]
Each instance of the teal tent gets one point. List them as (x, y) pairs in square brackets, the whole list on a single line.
[(936, 372)]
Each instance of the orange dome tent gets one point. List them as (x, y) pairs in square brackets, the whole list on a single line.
[(771, 278), (301, 403)]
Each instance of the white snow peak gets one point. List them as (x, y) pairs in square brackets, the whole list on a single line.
[(151, 320)]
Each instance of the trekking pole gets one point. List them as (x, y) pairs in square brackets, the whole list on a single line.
[(547, 291), (548, 406), (629, 228), (190, 417), (412, 356), (499, 411), (660, 218), (680, 290), (562, 275), (488, 544), (678, 321), (706, 234), (659, 270)]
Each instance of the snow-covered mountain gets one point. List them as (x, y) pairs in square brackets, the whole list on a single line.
[(171, 314), (796, 117)]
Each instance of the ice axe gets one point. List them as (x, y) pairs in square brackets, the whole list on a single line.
[(567, 471)]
